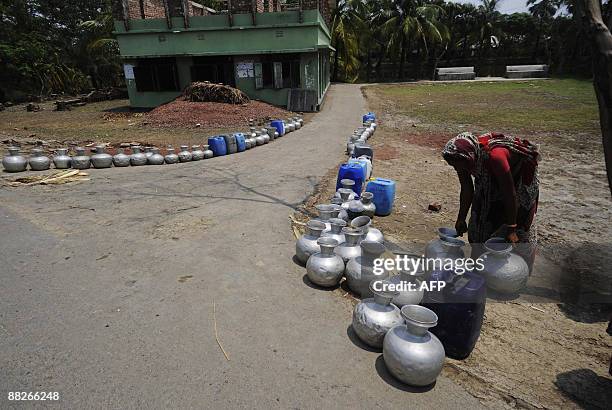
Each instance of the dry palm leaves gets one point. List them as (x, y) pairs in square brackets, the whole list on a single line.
[(209, 92), (58, 178)]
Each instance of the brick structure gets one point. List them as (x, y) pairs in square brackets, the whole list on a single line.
[(154, 9), (148, 9)]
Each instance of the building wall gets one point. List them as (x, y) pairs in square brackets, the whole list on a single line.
[(310, 78)]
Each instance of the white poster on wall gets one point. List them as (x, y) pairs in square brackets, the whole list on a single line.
[(244, 69), (128, 71)]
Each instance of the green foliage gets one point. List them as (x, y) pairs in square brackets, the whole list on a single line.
[(52, 46), (414, 36)]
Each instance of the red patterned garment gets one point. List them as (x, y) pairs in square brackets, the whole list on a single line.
[(489, 156)]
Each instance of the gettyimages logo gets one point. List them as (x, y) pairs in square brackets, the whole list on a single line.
[(412, 265)]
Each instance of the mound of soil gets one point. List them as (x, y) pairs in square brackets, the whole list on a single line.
[(210, 114)]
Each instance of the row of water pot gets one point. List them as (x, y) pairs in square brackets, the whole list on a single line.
[(416, 327), (100, 158)]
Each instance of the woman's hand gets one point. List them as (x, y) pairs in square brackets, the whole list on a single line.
[(512, 237), (461, 227)]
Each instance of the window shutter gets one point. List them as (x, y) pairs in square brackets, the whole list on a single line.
[(258, 76), (278, 75)]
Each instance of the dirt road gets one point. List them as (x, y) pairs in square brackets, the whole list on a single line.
[(108, 287)]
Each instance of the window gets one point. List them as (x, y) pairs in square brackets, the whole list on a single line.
[(156, 75), (277, 74)]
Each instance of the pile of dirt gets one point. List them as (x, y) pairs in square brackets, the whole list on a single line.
[(208, 92), (210, 114)]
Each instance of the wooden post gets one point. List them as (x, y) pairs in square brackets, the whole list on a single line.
[(185, 4), (142, 10), (167, 13)]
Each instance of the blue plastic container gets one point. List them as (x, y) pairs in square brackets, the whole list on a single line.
[(217, 145), (351, 171), (368, 117), (362, 165), (240, 141), (460, 307), (384, 195), (279, 125)]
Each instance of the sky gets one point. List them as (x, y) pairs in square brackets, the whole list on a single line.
[(505, 6)]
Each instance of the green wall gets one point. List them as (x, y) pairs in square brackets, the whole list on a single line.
[(272, 33)]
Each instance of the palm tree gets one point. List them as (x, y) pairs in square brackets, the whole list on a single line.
[(345, 28), (101, 48), (544, 11), (413, 23), (489, 19)]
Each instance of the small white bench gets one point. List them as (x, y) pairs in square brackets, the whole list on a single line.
[(527, 71), (455, 73)]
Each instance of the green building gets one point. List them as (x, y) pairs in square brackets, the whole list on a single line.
[(273, 50)]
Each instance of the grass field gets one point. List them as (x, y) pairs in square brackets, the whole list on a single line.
[(551, 106)]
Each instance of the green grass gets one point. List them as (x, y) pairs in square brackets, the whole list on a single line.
[(550, 106)]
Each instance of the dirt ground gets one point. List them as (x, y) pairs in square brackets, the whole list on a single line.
[(529, 355), (110, 122)]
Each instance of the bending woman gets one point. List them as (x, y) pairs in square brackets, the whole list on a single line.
[(504, 192)]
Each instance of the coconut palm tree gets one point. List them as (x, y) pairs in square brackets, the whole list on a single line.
[(413, 23), (544, 11), (346, 24)]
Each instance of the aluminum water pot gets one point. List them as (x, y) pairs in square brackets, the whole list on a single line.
[(208, 152), (369, 208), (156, 158), (148, 151), (259, 139), (137, 158), (360, 271), (413, 354), (14, 161), (346, 184), (38, 161), (120, 159), (171, 157), (344, 197), (101, 159), (196, 153), (326, 212), (410, 292), (445, 246), (335, 230), (184, 155), (325, 268), (307, 244), (374, 317), (369, 232), (80, 160), (504, 271), (350, 248), (61, 159), (342, 214)]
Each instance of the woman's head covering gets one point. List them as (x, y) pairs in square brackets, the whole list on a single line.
[(473, 149), (464, 146)]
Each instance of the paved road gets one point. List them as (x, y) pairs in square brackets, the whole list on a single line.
[(108, 287)]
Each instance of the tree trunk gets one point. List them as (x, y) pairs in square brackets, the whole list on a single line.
[(335, 70), (381, 57), (368, 66), (601, 42), (400, 73)]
